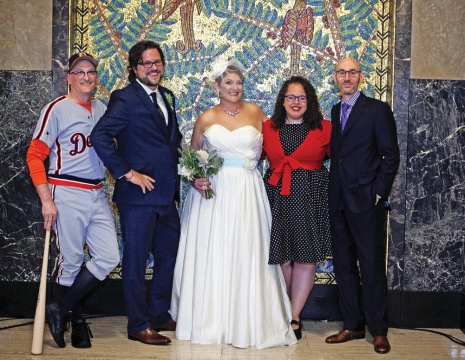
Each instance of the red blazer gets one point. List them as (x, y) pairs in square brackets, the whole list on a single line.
[(309, 155)]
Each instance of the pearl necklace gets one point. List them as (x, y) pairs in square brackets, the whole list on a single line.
[(234, 113), (293, 121)]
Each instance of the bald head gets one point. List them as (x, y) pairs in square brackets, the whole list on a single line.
[(348, 63), (348, 77)]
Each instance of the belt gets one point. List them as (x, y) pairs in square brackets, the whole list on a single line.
[(75, 183)]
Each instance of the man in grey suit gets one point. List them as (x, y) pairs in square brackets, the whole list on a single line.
[(364, 162), (143, 160)]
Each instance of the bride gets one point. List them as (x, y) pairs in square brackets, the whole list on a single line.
[(224, 291)]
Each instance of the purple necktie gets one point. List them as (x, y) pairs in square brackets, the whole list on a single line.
[(344, 115)]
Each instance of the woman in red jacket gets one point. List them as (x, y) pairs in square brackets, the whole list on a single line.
[(296, 141)]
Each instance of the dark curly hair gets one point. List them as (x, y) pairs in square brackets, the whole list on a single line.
[(312, 116), (135, 55)]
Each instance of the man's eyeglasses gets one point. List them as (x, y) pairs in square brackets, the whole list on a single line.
[(80, 73), (149, 64), (291, 98), (352, 73)]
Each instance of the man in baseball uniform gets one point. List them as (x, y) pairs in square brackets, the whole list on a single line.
[(73, 201)]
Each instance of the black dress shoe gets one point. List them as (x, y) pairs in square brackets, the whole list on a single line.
[(80, 334), (298, 331), (345, 335), (56, 323), (170, 325)]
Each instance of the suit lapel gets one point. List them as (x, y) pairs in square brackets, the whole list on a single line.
[(171, 115), (145, 98), (336, 121), (355, 113)]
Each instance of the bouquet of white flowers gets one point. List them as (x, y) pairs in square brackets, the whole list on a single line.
[(194, 164)]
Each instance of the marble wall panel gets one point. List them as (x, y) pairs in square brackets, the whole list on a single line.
[(60, 52), (437, 39), (25, 37), (22, 96), (400, 107), (435, 207)]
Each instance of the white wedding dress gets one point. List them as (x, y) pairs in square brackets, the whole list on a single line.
[(224, 291)]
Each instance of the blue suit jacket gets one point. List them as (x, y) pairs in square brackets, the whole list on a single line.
[(143, 143), (365, 157)]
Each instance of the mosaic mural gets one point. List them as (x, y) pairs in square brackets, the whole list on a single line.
[(273, 39)]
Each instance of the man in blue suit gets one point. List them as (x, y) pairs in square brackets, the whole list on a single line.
[(364, 162), (138, 140)]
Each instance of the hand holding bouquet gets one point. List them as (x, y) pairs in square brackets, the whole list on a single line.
[(194, 164)]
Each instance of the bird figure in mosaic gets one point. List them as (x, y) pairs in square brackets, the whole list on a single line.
[(297, 30), (187, 22)]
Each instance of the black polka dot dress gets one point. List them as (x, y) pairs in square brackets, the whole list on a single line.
[(300, 222)]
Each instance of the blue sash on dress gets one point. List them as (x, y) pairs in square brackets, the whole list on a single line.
[(245, 163), (233, 162)]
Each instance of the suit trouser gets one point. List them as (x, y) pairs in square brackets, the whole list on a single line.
[(362, 289), (145, 229)]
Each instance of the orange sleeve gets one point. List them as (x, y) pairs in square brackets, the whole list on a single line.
[(36, 154)]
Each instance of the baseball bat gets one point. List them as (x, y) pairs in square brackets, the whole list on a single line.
[(39, 319)]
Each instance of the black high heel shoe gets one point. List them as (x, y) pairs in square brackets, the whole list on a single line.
[(298, 331)]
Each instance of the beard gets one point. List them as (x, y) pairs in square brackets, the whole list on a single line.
[(149, 82)]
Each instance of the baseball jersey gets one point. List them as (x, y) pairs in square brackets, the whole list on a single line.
[(65, 127)]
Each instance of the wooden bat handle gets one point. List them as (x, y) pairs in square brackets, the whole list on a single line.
[(39, 319)]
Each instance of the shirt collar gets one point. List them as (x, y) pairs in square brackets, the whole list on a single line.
[(146, 88), (353, 99)]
